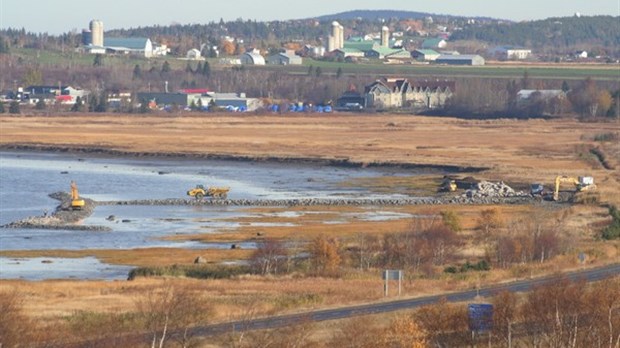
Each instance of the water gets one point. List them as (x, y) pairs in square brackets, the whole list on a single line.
[(26, 179)]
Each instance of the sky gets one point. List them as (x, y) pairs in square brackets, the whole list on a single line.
[(56, 17)]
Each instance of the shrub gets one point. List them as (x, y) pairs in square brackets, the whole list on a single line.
[(613, 230)]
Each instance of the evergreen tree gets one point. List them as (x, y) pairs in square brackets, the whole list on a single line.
[(310, 70), (14, 108), (188, 68), (92, 103), (212, 106), (339, 73), (144, 106), (198, 68), (206, 69), (318, 71), (525, 80), (165, 68), (98, 61), (193, 106), (78, 105), (102, 105), (40, 105), (137, 72), (2, 108), (4, 45), (565, 86)]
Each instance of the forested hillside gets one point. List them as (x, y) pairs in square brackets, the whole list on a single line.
[(551, 32)]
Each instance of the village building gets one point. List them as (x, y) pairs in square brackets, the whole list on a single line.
[(510, 53), (396, 93)]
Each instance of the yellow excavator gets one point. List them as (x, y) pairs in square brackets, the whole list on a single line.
[(582, 183), (76, 202)]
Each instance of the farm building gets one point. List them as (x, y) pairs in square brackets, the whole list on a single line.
[(193, 54), (381, 52), (252, 58), (462, 59), (425, 55), (287, 58)]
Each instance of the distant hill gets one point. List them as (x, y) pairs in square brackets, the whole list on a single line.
[(551, 32), (387, 14)]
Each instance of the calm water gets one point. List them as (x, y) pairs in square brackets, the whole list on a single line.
[(26, 179)]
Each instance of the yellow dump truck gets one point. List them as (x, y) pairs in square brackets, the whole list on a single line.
[(216, 192)]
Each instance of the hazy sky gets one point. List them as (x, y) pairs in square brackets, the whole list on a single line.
[(62, 16)]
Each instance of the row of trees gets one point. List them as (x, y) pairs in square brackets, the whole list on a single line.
[(558, 314), (426, 245)]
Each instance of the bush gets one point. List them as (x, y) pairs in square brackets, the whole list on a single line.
[(190, 271), (613, 230)]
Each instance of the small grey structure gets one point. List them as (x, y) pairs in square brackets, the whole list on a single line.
[(462, 59), (286, 58)]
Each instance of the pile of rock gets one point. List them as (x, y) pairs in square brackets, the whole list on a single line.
[(492, 189)]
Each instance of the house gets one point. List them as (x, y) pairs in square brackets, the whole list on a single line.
[(581, 54), (135, 46), (510, 52), (434, 43), (397, 93), (462, 59), (524, 96), (193, 54), (163, 99), (425, 55), (286, 58), (252, 58), (544, 100)]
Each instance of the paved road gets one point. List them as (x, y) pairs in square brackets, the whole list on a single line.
[(588, 275)]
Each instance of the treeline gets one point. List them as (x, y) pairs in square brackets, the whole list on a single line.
[(550, 34), (492, 98)]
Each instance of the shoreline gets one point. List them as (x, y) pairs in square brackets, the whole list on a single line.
[(333, 162)]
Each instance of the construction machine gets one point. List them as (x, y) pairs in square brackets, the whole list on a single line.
[(76, 202), (448, 184), (582, 183), (216, 192)]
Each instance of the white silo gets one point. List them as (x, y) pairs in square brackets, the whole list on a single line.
[(336, 34), (385, 36), (341, 36), (96, 29)]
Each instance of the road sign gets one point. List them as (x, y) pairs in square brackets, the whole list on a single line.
[(480, 316), (390, 274)]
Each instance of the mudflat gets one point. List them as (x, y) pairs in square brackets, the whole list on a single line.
[(517, 150)]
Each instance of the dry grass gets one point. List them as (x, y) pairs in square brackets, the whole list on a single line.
[(515, 151)]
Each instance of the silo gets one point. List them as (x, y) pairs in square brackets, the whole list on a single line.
[(341, 38), (385, 36), (87, 37), (96, 28), (336, 34)]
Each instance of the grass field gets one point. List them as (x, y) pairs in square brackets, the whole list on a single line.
[(563, 71)]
